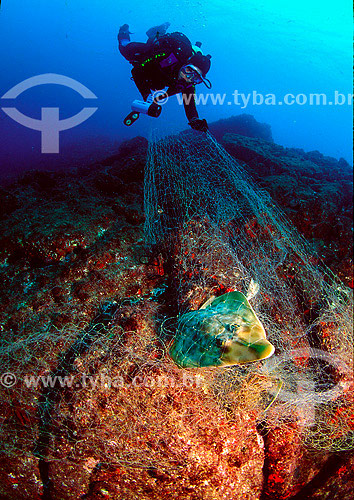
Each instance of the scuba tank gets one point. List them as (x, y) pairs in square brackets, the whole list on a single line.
[(197, 48)]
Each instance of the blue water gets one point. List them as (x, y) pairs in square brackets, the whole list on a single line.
[(269, 47)]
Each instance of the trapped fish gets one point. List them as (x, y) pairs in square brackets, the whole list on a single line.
[(224, 331)]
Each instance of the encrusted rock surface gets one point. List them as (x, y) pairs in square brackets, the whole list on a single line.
[(244, 124), (315, 191), (131, 424)]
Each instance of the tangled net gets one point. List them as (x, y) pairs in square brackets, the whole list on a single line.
[(216, 232), (213, 231)]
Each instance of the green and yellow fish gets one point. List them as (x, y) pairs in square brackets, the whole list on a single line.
[(225, 331)]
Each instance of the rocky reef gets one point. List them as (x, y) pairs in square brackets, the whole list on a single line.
[(95, 407), (245, 125), (315, 191)]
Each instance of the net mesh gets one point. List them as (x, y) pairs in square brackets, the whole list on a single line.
[(212, 230), (216, 231)]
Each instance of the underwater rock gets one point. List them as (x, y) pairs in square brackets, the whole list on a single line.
[(289, 465), (109, 184), (245, 125), (314, 191), (339, 472), (20, 478), (129, 162), (8, 203), (280, 159), (40, 181), (140, 427), (296, 472)]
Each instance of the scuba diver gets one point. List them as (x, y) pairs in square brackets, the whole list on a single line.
[(169, 62)]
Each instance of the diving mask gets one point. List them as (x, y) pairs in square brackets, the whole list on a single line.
[(192, 74)]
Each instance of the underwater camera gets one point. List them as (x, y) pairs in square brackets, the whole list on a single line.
[(147, 108)]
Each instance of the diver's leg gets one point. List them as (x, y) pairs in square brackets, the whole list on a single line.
[(142, 82), (132, 51)]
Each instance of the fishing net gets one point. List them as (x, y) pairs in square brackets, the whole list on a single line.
[(87, 376), (216, 232)]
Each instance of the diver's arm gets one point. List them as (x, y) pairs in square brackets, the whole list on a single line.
[(191, 111), (188, 94), (190, 107)]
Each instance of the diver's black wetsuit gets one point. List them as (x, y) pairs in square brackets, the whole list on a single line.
[(157, 64)]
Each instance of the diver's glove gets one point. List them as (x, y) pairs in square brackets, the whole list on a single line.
[(198, 124)]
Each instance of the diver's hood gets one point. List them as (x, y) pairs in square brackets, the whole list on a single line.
[(202, 62)]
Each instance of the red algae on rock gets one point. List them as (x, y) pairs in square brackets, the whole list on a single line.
[(98, 409)]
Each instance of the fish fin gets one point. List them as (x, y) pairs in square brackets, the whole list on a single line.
[(253, 290), (231, 297), (208, 302)]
